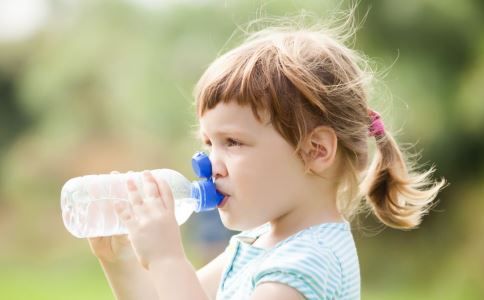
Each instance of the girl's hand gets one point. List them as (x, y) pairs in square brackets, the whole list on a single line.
[(111, 248), (151, 223)]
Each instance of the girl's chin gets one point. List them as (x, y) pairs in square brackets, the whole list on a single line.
[(226, 220), (232, 223), (229, 221)]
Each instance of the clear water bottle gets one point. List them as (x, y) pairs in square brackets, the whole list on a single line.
[(87, 202)]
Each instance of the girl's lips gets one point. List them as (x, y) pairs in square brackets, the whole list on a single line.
[(222, 203)]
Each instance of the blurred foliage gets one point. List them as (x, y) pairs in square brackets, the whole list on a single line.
[(106, 85)]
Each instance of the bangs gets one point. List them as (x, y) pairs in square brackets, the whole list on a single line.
[(248, 75)]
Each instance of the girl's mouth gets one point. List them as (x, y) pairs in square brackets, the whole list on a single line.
[(222, 203)]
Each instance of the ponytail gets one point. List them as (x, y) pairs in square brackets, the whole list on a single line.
[(399, 197)]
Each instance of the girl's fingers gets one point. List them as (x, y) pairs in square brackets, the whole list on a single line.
[(134, 197), (166, 194), (151, 191), (125, 212)]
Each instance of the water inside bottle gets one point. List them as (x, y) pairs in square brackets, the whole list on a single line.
[(98, 217), (88, 202), (184, 209), (94, 218)]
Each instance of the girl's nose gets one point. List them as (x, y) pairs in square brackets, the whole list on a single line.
[(218, 166)]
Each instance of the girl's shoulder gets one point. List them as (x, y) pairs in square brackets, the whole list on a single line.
[(319, 260)]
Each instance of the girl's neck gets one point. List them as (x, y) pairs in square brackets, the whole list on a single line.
[(314, 212)]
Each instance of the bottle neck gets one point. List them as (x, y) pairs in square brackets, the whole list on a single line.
[(207, 195), (193, 203), (195, 197)]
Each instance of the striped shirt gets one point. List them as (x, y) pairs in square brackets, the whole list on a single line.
[(320, 262)]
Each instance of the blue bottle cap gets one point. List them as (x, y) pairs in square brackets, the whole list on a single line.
[(201, 165), (207, 195)]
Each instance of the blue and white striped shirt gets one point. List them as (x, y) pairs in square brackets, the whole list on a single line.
[(320, 262)]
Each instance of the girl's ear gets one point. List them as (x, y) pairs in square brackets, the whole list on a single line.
[(319, 149)]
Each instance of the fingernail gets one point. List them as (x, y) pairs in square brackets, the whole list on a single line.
[(131, 185), (148, 176)]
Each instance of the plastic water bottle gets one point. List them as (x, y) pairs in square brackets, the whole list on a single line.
[(87, 202)]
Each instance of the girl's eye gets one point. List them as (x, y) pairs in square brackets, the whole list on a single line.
[(229, 143), (207, 144), (233, 143)]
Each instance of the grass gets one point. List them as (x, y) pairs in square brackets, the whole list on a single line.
[(41, 281), (73, 278)]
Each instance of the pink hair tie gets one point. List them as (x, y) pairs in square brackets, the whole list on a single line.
[(376, 128)]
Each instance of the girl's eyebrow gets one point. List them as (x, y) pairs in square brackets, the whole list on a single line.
[(224, 133)]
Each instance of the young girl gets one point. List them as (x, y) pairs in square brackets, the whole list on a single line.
[(287, 121)]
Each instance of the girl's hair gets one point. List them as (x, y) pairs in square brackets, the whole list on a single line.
[(306, 78)]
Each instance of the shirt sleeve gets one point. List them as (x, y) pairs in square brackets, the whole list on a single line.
[(314, 272)]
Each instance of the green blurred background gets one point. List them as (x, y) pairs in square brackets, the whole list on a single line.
[(93, 86)]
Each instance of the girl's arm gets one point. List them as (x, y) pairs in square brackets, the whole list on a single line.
[(274, 290), (126, 277), (180, 273), (156, 240), (176, 279), (128, 280), (210, 275)]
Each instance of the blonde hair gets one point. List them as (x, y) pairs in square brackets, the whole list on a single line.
[(306, 78)]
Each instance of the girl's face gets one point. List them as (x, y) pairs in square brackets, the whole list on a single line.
[(252, 164)]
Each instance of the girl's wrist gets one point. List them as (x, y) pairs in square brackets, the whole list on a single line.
[(169, 273), (128, 279), (163, 264), (118, 263)]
